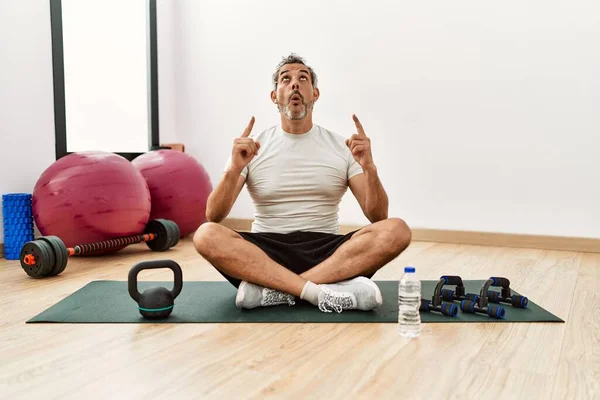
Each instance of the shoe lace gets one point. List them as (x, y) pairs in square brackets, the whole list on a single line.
[(275, 297), (334, 301)]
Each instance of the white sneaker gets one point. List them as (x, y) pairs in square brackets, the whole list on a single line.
[(359, 293), (330, 300), (250, 295)]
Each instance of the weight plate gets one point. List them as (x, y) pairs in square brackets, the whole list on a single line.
[(65, 254), (175, 233), (52, 252), (60, 253), (51, 256), (163, 238), (43, 258)]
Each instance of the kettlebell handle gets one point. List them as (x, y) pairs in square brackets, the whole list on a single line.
[(133, 274)]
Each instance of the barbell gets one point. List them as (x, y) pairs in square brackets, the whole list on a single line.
[(48, 255)]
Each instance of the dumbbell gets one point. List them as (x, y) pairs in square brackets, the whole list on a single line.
[(481, 305), (505, 296), (48, 255)]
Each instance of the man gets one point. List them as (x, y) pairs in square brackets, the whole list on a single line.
[(296, 173)]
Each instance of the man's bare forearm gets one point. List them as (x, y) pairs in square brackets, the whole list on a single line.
[(376, 201), (221, 200)]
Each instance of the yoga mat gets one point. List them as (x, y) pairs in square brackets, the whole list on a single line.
[(211, 302)]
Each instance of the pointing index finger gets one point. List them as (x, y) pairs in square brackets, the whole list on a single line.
[(248, 128), (359, 126)]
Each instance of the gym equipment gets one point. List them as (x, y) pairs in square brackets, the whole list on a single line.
[(448, 309), (505, 296), (458, 293), (481, 305), (179, 187), (90, 197), (156, 302), (17, 221), (48, 255), (436, 304), (492, 310)]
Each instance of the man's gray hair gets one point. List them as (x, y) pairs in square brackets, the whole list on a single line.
[(293, 59)]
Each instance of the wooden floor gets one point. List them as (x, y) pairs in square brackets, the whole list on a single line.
[(322, 361)]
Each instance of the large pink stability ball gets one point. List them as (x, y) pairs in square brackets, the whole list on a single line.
[(179, 187), (91, 196)]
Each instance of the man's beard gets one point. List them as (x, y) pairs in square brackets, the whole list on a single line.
[(295, 115)]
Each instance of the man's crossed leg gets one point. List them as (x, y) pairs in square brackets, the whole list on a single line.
[(335, 284)]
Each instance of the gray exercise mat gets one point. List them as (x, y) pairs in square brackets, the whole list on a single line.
[(213, 302)]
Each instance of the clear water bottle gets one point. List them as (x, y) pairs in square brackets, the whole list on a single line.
[(409, 301)]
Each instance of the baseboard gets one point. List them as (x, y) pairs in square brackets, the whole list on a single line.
[(564, 243)]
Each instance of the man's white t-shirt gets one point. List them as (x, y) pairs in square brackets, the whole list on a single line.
[(298, 180)]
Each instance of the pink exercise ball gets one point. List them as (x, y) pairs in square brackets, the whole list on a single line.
[(179, 187), (91, 196)]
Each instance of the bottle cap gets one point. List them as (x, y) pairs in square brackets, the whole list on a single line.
[(409, 269)]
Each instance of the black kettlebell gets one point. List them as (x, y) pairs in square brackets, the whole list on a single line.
[(156, 302)]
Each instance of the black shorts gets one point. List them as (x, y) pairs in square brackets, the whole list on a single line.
[(297, 251)]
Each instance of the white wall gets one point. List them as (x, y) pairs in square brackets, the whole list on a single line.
[(483, 116), (26, 91), (26, 95)]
